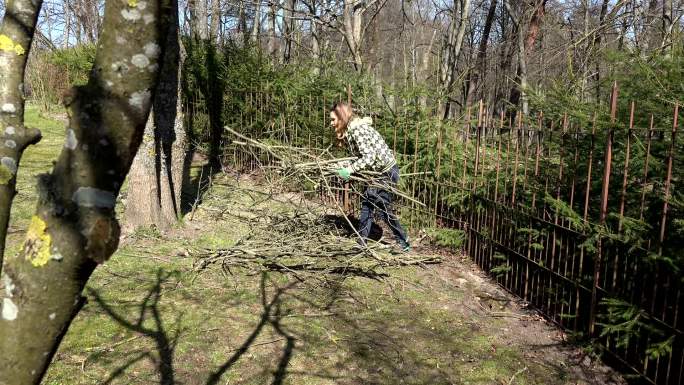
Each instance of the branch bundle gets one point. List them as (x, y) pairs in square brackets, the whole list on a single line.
[(316, 166), (300, 240)]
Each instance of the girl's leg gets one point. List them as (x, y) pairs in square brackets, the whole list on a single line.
[(393, 221), (388, 214), (365, 217)]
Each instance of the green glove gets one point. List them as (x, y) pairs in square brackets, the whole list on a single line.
[(344, 173)]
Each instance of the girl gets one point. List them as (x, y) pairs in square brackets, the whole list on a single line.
[(373, 154)]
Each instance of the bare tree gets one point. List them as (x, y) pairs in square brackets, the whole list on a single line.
[(288, 28), (452, 50), (481, 54), (354, 25)]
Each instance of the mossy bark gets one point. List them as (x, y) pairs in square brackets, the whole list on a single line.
[(74, 227), (16, 34)]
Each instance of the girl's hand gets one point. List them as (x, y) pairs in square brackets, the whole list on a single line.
[(344, 173)]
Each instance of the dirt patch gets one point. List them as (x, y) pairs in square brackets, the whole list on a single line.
[(510, 322)]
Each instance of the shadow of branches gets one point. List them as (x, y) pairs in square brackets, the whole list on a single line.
[(165, 342)]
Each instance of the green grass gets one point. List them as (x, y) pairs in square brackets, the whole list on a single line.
[(147, 301)]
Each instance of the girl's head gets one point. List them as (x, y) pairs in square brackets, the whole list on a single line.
[(340, 115)]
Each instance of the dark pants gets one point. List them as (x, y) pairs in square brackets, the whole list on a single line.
[(379, 198)]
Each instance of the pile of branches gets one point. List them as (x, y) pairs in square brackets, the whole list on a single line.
[(304, 240), (300, 243), (315, 166)]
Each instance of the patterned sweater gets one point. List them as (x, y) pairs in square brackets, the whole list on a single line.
[(369, 146)]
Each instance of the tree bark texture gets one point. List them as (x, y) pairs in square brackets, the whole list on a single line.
[(199, 21), (256, 24), (74, 227), (215, 94), (156, 175), (272, 35), (215, 20), (353, 31), (16, 33)]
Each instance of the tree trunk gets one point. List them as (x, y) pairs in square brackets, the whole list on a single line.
[(481, 54), (242, 22), (18, 26), (215, 91), (596, 46), (425, 68), (288, 29), (454, 45), (75, 226), (198, 19), (353, 20), (256, 24), (525, 43), (157, 170), (215, 20), (315, 46), (668, 24)]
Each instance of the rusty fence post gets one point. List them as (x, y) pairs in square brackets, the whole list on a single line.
[(668, 180), (605, 184)]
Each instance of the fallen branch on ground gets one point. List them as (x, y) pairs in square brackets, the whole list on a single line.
[(302, 242)]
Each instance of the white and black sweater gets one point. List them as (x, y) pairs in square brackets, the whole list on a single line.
[(369, 146)]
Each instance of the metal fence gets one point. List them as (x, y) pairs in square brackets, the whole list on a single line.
[(574, 216)]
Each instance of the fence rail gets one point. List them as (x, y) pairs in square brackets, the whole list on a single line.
[(575, 216)]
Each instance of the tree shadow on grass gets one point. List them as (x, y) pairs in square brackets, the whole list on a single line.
[(196, 183), (165, 342), (272, 315)]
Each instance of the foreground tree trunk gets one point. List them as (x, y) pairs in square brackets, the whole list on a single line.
[(75, 227), (157, 171), (16, 33)]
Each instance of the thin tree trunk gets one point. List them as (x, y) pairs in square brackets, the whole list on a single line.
[(288, 29), (18, 26), (272, 36), (315, 46), (75, 225), (481, 54), (668, 24), (198, 19), (215, 93), (454, 46), (596, 47), (243, 24), (353, 20), (256, 24), (425, 67)]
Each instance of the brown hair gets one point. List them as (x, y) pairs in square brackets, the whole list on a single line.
[(345, 114)]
